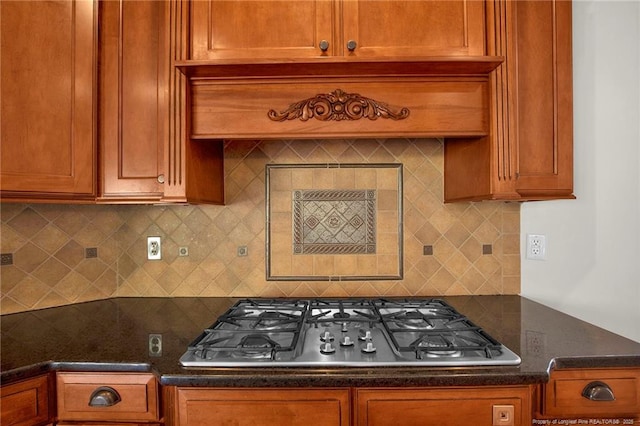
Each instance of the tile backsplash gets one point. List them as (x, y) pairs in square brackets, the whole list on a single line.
[(452, 249)]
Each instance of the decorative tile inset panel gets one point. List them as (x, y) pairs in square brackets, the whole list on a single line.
[(334, 221)]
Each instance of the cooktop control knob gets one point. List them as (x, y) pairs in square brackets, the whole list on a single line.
[(368, 348), (346, 341), (326, 336), (364, 335), (344, 327), (327, 348)]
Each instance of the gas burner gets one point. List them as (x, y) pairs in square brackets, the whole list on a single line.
[(256, 346), (273, 320), (414, 320), (436, 346)]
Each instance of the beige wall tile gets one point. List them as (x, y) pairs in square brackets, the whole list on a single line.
[(48, 241)]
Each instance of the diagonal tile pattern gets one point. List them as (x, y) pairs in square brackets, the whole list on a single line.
[(48, 241)]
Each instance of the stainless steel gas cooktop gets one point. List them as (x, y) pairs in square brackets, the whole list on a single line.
[(344, 332)]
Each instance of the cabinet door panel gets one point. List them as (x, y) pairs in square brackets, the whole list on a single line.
[(25, 403), (442, 407), (260, 29), (415, 28), (133, 109), (266, 407), (544, 98), (48, 56)]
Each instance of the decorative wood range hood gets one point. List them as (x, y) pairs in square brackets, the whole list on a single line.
[(340, 99), (503, 94)]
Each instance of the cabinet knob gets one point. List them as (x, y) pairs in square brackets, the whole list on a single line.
[(324, 45), (104, 396), (160, 178), (598, 391), (351, 45)]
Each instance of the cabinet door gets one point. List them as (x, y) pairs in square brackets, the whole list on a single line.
[(265, 407), (278, 29), (529, 152), (48, 55), (134, 71), (414, 28), (443, 407), (25, 403), (544, 99)]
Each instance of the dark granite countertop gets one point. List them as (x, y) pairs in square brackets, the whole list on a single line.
[(112, 335)]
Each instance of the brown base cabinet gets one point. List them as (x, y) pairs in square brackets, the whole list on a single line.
[(607, 393), (350, 406), (480, 406), (28, 402), (264, 407)]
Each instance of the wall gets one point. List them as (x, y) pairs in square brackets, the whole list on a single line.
[(592, 269), (48, 242)]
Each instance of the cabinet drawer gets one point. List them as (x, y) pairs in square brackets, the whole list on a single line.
[(25, 403), (137, 393), (563, 393)]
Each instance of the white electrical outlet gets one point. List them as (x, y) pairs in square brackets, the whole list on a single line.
[(536, 247), (154, 248)]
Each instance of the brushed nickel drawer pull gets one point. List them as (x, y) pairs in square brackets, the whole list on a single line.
[(104, 396), (598, 391)]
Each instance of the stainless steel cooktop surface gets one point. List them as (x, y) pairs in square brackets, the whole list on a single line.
[(344, 332)]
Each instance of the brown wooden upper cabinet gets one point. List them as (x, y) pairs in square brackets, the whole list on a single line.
[(493, 78), (144, 153), (285, 29), (133, 107), (48, 99), (91, 106), (125, 101), (528, 154)]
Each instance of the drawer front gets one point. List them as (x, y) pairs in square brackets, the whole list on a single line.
[(563, 394), (137, 393)]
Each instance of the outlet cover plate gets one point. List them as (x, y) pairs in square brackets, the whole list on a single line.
[(536, 247), (154, 248)]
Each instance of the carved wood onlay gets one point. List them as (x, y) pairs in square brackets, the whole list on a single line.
[(338, 105)]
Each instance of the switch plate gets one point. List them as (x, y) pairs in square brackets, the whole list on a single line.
[(154, 248), (503, 415), (536, 247)]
